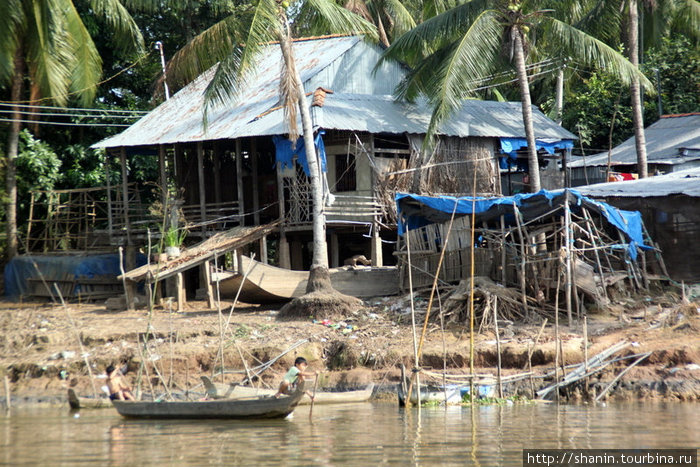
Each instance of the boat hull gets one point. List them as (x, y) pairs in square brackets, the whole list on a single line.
[(227, 391), (258, 408), (266, 283)]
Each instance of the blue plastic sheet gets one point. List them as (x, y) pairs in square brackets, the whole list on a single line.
[(416, 211), (285, 151), (21, 268), (509, 146)]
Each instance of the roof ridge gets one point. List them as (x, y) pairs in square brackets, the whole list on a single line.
[(689, 114)]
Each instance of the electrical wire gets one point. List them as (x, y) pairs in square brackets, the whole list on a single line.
[(76, 109), (10, 120)]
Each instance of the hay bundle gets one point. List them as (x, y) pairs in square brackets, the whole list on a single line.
[(486, 294)]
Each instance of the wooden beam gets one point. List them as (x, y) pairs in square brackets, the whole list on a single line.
[(206, 274), (110, 222), (181, 292)]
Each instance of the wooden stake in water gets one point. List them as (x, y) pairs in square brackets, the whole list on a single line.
[(498, 346)]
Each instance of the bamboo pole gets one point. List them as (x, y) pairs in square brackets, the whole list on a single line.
[(567, 236), (503, 251), (413, 325), (471, 291), (498, 346), (8, 394), (556, 330), (516, 213), (595, 252)]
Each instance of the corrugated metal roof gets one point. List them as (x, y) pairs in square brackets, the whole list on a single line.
[(684, 182), (179, 119), (673, 139)]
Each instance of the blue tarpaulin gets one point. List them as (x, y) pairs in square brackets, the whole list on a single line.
[(509, 146), (285, 152), (415, 211), (24, 267)]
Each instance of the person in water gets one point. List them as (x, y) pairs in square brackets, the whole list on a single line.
[(118, 389), (291, 378)]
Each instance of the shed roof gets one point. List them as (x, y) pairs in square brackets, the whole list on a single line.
[(673, 139), (361, 102), (683, 182)]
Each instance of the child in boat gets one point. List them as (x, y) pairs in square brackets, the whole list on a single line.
[(118, 389), (292, 377)]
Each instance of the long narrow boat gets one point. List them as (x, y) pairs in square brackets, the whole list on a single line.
[(232, 391), (266, 283), (259, 407)]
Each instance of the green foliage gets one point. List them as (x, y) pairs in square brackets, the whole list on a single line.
[(174, 237), (678, 62), (38, 167)]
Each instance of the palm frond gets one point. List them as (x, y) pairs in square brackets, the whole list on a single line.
[(126, 32), (47, 51), (327, 17), (403, 20), (232, 72), (86, 64), (593, 52), (434, 33), (472, 58), (205, 50), (602, 20), (11, 23)]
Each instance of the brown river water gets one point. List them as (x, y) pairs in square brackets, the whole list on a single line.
[(356, 434)]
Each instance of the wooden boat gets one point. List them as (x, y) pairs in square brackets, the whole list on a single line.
[(258, 407), (76, 402), (233, 391), (266, 283)]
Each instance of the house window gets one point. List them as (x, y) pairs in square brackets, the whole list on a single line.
[(345, 175)]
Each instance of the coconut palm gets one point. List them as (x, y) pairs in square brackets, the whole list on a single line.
[(236, 42), (45, 46), (391, 17), (665, 16), (462, 46)]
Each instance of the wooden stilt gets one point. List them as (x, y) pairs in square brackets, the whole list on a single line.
[(498, 346), (181, 292)]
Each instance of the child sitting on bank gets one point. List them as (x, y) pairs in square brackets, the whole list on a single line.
[(292, 377), (118, 389)]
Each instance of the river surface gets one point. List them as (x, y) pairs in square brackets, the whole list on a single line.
[(357, 434)]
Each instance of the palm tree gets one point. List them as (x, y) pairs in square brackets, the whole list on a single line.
[(466, 44), (46, 46), (666, 15), (391, 17), (235, 43)]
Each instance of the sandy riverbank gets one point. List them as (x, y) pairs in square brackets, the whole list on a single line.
[(41, 355)]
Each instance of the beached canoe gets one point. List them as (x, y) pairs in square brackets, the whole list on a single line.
[(233, 391), (77, 402), (257, 407), (266, 283)]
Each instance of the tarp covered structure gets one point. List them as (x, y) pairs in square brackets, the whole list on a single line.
[(415, 211)]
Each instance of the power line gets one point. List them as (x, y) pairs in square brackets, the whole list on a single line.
[(42, 114), (10, 120), (77, 109)]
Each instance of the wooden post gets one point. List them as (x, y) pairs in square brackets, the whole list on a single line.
[(256, 197), (498, 346), (125, 195), (239, 181), (217, 172), (206, 274), (110, 222), (163, 182), (181, 292), (263, 249), (567, 247), (202, 191), (284, 256), (503, 251), (335, 250), (377, 256)]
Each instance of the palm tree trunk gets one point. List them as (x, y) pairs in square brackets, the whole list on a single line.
[(319, 278), (637, 116), (10, 164), (533, 163)]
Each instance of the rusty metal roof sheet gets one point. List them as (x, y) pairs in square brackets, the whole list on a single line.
[(255, 112)]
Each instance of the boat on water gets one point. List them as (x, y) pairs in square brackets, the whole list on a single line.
[(265, 283), (79, 402), (233, 391), (255, 407)]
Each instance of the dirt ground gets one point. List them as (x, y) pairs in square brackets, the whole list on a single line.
[(44, 348)]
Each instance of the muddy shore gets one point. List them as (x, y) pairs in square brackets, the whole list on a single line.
[(41, 355)]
